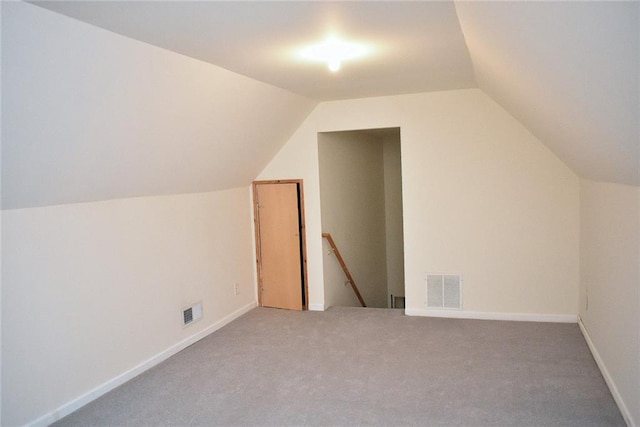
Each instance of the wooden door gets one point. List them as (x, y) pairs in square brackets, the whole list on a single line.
[(279, 245)]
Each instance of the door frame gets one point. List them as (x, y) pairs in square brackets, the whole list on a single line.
[(303, 236)]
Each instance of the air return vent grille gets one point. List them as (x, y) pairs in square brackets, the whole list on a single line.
[(191, 314), (444, 291), (187, 316)]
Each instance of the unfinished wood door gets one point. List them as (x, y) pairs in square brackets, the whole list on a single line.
[(279, 245)]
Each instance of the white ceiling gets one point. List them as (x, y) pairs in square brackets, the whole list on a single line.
[(568, 71), (419, 45)]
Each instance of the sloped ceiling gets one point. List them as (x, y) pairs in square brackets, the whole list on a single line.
[(567, 70), (89, 115)]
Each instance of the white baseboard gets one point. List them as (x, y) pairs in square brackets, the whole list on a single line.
[(316, 307), (104, 388), (607, 376), (482, 315)]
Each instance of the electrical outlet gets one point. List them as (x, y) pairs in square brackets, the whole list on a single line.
[(235, 289)]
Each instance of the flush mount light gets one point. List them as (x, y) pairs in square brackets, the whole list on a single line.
[(334, 51)]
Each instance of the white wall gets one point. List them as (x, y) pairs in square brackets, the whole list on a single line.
[(610, 281), (482, 197), (353, 210), (1, 6), (337, 292), (92, 290), (393, 214)]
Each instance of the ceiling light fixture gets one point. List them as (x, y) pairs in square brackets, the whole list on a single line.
[(334, 51)]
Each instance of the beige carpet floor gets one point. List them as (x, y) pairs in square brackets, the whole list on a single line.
[(357, 366)]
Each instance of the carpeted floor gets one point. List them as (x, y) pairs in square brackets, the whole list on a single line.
[(357, 366)]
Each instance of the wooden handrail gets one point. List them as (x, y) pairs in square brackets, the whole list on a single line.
[(344, 267)]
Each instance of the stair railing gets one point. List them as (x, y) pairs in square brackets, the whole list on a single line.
[(350, 280)]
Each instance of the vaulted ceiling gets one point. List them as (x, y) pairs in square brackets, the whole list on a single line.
[(568, 71)]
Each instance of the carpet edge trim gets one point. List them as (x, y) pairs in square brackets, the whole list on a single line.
[(107, 386), (617, 397), (482, 315)]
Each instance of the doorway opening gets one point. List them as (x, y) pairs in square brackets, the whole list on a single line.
[(361, 209), (280, 244)]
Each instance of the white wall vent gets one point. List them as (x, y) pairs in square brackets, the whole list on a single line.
[(191, 314), (444, 291)]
